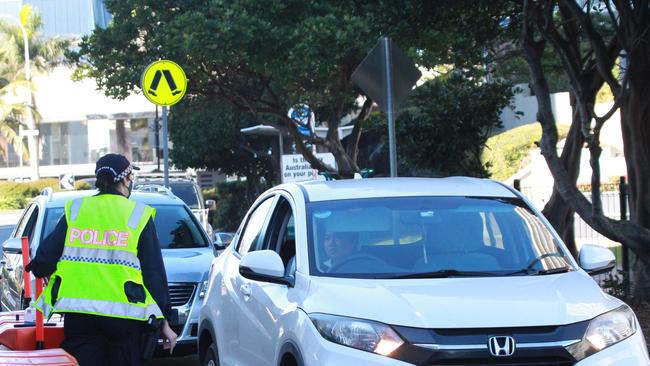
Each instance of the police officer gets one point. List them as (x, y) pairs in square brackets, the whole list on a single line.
[(106, 272)]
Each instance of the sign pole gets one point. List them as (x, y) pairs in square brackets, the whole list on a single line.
[(165, 147), (388, 65), (172, 76)]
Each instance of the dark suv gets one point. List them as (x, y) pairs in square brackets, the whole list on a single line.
[(185, 189)]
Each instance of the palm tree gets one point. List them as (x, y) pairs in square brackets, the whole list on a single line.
[(45, 53)]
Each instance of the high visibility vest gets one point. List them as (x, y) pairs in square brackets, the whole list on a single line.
[(100, 256)]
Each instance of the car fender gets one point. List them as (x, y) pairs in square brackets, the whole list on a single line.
[(204, 326), (290, 347)]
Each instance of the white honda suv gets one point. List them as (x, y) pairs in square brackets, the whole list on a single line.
[(453, 271)]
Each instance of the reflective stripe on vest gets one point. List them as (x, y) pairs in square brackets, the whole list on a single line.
[(103, 307), (136, 215), (105, 256), (74, 208), (45, 308)]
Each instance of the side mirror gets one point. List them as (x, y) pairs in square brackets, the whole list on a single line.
[(219, 245), (211, 205), (265, 266), (222, 240), (595, 259), (12, 246)]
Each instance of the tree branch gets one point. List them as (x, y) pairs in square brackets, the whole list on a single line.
[(597, 43)]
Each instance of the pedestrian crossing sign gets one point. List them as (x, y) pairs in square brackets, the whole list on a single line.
[(164, 83)]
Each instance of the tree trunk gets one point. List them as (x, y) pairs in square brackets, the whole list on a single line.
[(558, 213), (635, 115)]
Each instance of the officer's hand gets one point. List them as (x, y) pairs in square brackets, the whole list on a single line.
[(169, 337)]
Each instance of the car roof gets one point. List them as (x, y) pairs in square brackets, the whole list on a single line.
[(175, 181), (402, 187), (58, 199)]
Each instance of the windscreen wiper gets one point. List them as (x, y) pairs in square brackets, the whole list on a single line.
[(539, 272), (443, 273)]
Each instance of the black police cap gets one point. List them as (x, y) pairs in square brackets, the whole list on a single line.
[(117, 165)]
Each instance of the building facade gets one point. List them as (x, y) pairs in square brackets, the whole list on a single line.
[(77, 122)]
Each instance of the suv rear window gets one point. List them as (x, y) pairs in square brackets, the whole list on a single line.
[(175, 226), (187, 193)]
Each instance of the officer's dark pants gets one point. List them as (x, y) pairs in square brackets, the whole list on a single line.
[(103, 341)]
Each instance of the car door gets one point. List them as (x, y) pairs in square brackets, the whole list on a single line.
[(266, 302), (234, 287), (12, 264)]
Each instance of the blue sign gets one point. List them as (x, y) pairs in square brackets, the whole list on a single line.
[(303, 116)]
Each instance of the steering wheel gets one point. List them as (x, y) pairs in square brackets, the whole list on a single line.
[(355, 258)]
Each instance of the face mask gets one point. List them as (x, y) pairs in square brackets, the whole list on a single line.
[(130, 188)]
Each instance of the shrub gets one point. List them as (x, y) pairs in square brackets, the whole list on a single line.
[(16, 195), (231, 205), (507, 151)]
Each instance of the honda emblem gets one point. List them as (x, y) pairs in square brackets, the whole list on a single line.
[(501, 346)]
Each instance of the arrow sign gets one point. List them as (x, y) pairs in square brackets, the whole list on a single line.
[(66, 181)]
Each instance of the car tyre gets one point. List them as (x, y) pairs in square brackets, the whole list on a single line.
[(211, 356)]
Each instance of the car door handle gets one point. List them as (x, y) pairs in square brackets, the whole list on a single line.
[(245, 289)]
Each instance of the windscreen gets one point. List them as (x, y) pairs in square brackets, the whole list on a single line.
[(174, 226), (440, 236), (187, 194)]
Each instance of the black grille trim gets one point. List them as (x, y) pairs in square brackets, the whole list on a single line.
[(452, 353), (181, 293)]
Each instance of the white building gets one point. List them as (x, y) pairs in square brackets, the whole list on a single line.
[(78, 123)]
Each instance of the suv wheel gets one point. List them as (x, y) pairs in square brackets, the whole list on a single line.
[(211, 356)]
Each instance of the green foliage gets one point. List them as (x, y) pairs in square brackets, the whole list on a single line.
[(442, 128), (206, 135), (264, 57), (15, 195), (81, 185), (231, 207), (505, 152)]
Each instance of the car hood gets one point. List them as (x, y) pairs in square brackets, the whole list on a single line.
[(187, 265), (462, 302)]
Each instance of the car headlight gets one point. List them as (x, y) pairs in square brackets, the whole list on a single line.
[(605, 330), (362, 334)]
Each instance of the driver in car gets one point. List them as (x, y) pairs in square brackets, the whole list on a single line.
[(340, 246)]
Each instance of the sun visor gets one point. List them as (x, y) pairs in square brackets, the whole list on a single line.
[(358, 220)]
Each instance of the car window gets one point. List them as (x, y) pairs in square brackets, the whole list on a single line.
[(177, 228), (24, 220), (369, 238), (187, 193), (52, 217), (251, 235), (30, 227), (281, 232)]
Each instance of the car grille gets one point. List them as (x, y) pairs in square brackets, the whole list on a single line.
[(181, 293), (492, 361)]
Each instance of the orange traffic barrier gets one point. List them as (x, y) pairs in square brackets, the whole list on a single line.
[(27, 279), (50, 357), (24, 343)]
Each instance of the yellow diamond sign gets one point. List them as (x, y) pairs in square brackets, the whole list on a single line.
[(164, 83)]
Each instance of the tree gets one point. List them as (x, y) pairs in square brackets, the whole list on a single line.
[(44, 53), (630, 22), (265, 57), (448, 108), (206, 135)]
